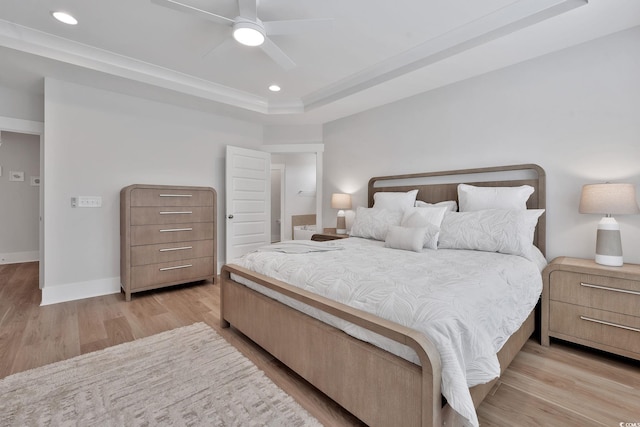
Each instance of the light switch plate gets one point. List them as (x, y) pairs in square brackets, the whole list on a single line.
[(86, 202)]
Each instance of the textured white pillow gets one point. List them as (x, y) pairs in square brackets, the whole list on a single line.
[(432, 215), (451, 205), (506, 231), (372, 223), (430, 218), (408, 239), (473, 198), (394, 200)]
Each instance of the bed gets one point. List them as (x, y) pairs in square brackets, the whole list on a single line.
[(377, 385)]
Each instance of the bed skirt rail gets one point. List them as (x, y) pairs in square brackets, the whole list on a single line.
[(378, 387)]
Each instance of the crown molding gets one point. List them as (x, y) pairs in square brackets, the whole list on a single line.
[(49, 46), (507, 20), (483, 30)]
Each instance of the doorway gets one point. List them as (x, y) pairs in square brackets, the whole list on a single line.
[(24, 176)]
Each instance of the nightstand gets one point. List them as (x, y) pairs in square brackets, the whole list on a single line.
[(592, 305), (328, 234)]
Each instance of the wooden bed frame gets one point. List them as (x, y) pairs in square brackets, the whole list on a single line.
[(378, 387)]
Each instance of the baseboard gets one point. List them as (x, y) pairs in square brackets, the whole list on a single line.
[(80, 290), (17, 257)]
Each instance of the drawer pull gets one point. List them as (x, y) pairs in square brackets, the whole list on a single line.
[(176, 267), (169, 230), (182, 248), (606, 288), (609, 324), (175, 195), (176, 213)]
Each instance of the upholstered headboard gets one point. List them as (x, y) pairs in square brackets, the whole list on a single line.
[(436, 187)]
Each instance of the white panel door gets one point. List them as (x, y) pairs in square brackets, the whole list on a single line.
[(248, 201)]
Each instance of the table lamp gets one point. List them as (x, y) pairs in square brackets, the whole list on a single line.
[(609, 199), (341, 201)]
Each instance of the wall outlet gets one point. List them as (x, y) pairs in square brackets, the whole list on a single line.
[(86, 202)]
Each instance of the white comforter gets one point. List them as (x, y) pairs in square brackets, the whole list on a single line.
[(467, 302)]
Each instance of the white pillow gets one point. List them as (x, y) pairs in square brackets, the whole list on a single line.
[(394, 200), (451, 205), (431, 218), (473, 198), (506, 231), (431, 215), (372, 223), (408, 239)]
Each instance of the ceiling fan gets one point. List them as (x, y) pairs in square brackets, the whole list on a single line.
[(249, 30)]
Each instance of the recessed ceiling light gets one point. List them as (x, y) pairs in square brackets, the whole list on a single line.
[(65, 18), (274, 88)]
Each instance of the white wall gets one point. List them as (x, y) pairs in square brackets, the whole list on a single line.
[(20, 104), (97, 142), (575, 112), (20, 201)]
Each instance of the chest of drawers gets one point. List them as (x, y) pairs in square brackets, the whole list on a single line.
[(592, 305), (167, 236)]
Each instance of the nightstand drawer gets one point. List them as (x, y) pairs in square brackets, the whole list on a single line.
[(604, 293), (596, 326)]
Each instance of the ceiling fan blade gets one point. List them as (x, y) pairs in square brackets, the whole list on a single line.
[(296, 26), (181, 7), (278, 56), (248, 9), (221, 48)]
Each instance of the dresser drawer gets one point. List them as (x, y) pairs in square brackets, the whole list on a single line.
[(171, 197), (153, 254), (604, 327), (171, 272), (170, 215), (604, 293), (152, 234)]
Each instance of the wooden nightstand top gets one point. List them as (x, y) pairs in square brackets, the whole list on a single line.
[(328, 234), (589, 266)]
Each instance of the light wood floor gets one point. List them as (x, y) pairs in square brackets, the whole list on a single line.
[(557, 386)]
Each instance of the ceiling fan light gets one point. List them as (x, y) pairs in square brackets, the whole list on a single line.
[(248, 33)]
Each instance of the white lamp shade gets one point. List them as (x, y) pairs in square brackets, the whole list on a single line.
[(340, 201), (610, 198)]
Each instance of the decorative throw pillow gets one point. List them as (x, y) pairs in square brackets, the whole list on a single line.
[(474, 198), (372, 223), (506, 231), (394, 200), (451, 205), (430, 218), (408, 239)]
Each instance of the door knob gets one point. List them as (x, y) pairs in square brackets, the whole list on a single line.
[(230, 216)]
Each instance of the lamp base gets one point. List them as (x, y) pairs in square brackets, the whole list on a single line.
[(608, 243), (611, 261)]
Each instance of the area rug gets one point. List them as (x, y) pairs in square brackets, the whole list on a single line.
[(188, 376)]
